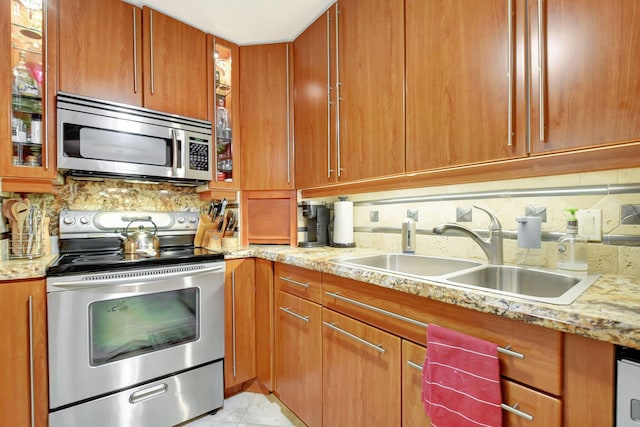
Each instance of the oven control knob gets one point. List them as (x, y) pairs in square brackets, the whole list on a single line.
[(84, 220), (192, 219), (180, 220), (68, 220)]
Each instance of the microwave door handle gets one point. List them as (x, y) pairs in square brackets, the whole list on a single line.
[(174, 147)]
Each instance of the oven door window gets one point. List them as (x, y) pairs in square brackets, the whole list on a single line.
[(127, 327)]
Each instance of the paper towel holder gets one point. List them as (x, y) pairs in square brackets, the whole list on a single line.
[(342, 222)]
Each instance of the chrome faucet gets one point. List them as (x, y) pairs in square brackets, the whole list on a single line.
[(492, 246)]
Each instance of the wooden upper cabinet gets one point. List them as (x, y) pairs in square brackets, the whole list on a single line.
[(265, 122), (100, 50), (370, 62), (356, 55), (458, 83), (175, 66), (590, 84), (311, 105)]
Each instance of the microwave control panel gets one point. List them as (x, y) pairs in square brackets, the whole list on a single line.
[(198, 154)]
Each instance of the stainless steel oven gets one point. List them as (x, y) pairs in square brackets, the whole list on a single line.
[(134, 340)]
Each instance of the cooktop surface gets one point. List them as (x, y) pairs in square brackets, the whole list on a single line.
[(112, 260)]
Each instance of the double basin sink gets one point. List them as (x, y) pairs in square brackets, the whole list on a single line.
[(528, 283)]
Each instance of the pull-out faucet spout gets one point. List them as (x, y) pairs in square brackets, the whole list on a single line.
[(492, 246)]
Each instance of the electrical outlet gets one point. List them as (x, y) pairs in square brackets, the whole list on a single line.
[(413, 214), (373, 216), (590, 224)]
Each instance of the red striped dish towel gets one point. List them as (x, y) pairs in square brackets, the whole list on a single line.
[(461, 380)]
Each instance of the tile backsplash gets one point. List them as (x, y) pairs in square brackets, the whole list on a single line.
[(607, 191)]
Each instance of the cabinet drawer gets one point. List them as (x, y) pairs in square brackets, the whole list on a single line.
[(545, 410), (299, 281), (530, 354)]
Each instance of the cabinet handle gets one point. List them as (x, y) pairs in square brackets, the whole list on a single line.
[(514, 410), (377, 347), (338, 98), (376, 309), (174, 151), (288, 123), (328, 94), (294, 282), (510, 70), (541, 69), (135, 52), (506, 350), (414, 365), (294, 314), (151, 53), (233, 319), (31, 362)]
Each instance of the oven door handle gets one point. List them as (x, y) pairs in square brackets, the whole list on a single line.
[(103, 279)]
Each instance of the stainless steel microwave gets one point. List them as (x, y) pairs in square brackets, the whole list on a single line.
[(104, 139)]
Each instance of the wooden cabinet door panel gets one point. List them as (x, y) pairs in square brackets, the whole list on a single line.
[(15, 369), (175, 66), (458, 85), (311, 105), (590, 49), (299, 357), (370, 83), (100, 50), (264, 106), (240, 326), (361, 385), (545, 410), (413, 414)]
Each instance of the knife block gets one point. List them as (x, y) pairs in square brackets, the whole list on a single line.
[(210, 233)]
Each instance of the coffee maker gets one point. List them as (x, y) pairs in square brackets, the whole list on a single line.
[(316, 218)]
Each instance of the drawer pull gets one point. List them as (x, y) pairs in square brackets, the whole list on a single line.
[(376, 309), (294, 314), (377, 347), (414, 365), (514, 410), (295, 282), (507, 350)]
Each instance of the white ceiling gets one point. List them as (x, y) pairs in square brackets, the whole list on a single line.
[(244, 22)]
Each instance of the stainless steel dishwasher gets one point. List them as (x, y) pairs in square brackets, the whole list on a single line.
[(628, 388)]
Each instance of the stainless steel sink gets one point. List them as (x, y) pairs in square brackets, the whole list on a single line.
[(529, 283), (412, 265), (539, 285)]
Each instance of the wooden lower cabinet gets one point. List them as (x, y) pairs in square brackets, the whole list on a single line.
[(240, 322), (299, 357), (361, 373), (23, 361), (413, 414)]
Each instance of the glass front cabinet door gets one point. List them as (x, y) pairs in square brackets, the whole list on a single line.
[(28, 151), (224, 118)]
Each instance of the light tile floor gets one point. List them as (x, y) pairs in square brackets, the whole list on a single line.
[(248, 410)]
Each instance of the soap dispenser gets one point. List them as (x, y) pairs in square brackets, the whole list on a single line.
[(572, 248)]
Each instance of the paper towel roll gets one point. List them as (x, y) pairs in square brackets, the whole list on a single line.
[(343, 223)]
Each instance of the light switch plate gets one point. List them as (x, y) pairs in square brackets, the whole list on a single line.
[(590, 224)]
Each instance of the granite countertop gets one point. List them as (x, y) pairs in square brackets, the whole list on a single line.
[(609, 310)]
